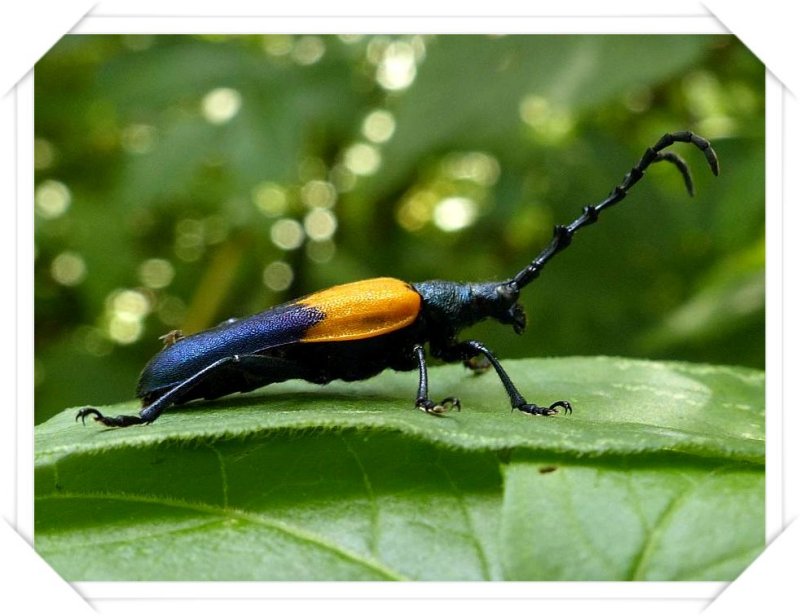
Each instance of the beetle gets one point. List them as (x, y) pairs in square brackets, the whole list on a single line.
[(355, 331)]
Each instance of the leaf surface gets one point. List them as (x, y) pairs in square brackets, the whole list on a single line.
[(658, 474)]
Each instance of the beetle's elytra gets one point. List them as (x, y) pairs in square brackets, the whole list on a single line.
[(357, 330)]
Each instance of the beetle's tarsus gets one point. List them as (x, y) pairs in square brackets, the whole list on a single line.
[(533, 409), (443, 407), (120, 421)]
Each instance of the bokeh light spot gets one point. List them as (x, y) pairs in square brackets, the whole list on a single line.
[(278, 44), (129, 304), (320, 224), (398, 66), (287, 234), (350, 39), (123, 331), (454, 213), (318, 193), (221, 105), (639, 99), (93, 340), (189, 244), (156, 273), (126, 308), (550, 123), (52, 199), (308, 50), (416, 210), (138, 138), (362, 159), (44, 154), (278, 276), (477, 167), (68, 269), (378, 126), (270, 198), (708, 100)]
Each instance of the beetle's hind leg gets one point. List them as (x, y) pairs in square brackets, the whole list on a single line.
[(120, 421), (147, 415), (152, 411), (423, 402)]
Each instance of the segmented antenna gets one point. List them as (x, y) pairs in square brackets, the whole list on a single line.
[(562, 235)]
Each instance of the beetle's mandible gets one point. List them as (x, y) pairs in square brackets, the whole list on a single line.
[(357, 330)]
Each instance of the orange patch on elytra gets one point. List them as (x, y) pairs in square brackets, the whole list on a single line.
[(362, 309)]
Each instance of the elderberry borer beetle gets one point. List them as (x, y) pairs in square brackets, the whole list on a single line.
[(355, 331)]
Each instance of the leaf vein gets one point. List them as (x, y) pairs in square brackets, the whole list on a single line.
[(470, 533), (238, 514), (374, 509)]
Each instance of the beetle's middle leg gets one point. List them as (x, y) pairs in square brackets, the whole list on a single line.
[(470, 349), (423, 402)]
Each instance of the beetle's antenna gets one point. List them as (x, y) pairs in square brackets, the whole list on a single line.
[(562, 235)]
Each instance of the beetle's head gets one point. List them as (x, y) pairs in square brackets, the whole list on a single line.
[(453, 306), (499, 301)]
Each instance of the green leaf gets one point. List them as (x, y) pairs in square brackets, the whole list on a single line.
[(658, 520), (658, 474)]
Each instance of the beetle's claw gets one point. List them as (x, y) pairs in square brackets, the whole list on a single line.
[(533, 409), (564, 405), (86, 411), (450, 403), (439, 409)]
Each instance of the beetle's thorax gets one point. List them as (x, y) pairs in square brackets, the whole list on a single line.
[(454, 306)]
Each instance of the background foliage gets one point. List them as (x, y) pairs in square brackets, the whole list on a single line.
[(181, 180)]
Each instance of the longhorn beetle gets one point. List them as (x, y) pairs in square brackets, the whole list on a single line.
[(357, 330)]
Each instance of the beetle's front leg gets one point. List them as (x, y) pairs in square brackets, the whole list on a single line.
[(469, 350), (423, 402)]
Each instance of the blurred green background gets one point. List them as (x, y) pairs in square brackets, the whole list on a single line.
[(182, 180)]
